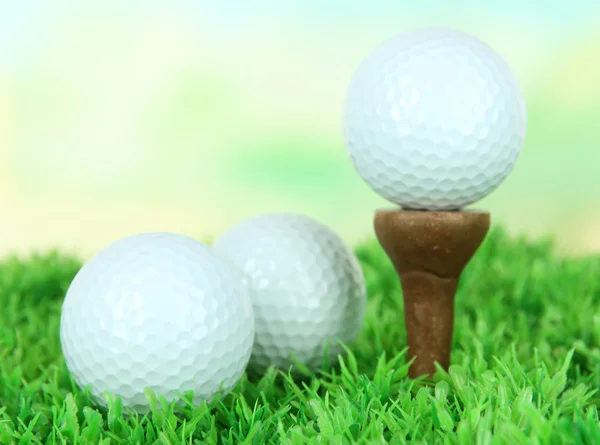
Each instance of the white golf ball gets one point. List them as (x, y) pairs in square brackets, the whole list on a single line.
[(306, 286), (156, 311), (434, 119)]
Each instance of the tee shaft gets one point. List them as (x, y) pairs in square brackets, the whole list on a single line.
[(429, 251)]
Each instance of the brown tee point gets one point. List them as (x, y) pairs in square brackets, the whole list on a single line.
[(429, 250)]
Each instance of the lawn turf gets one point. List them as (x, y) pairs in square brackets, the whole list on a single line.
[(526, 366)]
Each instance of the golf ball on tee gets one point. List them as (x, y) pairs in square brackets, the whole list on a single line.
[(434, 119), (306, 286), (158, 311)]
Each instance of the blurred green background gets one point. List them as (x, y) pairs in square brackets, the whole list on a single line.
[(187, 116)]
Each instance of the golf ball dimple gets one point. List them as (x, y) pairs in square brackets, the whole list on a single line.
[(156, 311), (434, 119), (306, 286)]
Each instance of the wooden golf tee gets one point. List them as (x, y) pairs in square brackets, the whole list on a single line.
[(429, 251)]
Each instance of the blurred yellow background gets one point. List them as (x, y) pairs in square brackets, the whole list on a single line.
[(123, 117)]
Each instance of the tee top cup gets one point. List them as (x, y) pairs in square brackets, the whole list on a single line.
[(434, 120)]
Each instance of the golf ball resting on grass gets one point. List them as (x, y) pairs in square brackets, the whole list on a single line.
[(306, 286), (158, 311), (433, 121)]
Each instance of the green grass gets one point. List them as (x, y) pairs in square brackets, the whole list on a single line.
[(526, 366)]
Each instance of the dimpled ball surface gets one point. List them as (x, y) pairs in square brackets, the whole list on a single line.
[(158, 311), (306, 285), (434, 119)]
